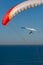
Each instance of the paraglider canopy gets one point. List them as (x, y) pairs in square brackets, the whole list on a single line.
[(18, 8)]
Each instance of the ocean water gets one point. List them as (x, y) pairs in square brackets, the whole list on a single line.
[(21, 55)]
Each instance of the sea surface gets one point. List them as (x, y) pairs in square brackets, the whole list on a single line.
[(21, 54)]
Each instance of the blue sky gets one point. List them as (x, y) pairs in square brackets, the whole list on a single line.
[(12, 33)]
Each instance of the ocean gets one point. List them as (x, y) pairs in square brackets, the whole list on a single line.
[(21, 54)]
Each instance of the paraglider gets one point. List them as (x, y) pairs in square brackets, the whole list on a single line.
[(30, 29), (30, 32), (18, 8)]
